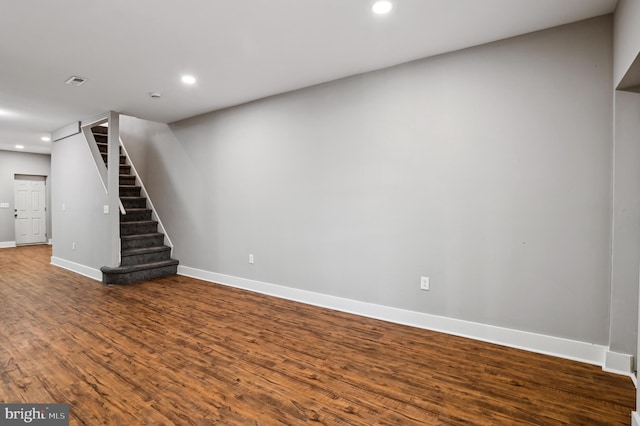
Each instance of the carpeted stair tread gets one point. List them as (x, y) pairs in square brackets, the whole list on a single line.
[(144, 271), (130, 191), (140, 222), (123, 158), (137, 209), (140, 267), (138, 227), (141, 255), (144, 250), (134, 202), (136, 214), (134, 210), (141, 236), (134, 241), (103, 147), (127, 180)]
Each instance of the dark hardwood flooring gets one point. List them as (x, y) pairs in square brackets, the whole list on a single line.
[(182, 351)]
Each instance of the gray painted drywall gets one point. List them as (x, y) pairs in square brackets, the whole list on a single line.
[(77, 186), (136, 137), (12, 163), (626, 224), (487, 169), (626, 37)]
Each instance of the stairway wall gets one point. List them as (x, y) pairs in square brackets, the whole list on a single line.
[(626, 44), (488, 170), (77, 186), (625, 251)]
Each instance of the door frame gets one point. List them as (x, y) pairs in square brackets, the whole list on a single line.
[(44, 179)]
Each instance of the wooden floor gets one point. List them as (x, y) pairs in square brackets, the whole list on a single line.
[(182, 351)]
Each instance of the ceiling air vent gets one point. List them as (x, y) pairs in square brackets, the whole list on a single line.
[(75, 81)]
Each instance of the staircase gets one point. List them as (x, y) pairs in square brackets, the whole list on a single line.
[(143, 254)]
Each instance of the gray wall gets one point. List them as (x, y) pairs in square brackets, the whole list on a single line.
[(487, 169), (77, 186), (137, 138), (626, 224), (12, 163), (626, 186)]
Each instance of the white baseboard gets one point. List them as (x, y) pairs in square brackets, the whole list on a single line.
[(635, 418), (615, 362), (50, 242), (548, 345), (77, 268), (7, 244)]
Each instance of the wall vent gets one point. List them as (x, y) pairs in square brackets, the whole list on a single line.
[(75, 81)]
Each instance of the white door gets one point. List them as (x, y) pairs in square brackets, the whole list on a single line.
[(30, 210)]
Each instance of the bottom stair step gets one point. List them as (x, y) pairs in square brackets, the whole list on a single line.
[(135, 256), (142, 240), (144, 271)]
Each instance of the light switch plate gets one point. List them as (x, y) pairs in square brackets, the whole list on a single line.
[(4, 205)]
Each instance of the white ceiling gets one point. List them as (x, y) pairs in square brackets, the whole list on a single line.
[(239, 50)]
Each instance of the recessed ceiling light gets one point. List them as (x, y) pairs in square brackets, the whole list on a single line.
[(188, 79), (46, 138), (382, 7), (20, 146)]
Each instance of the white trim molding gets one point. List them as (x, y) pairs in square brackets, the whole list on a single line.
[(635, 418), (548, 345), (7, 244), (615, 362), (77, 268)]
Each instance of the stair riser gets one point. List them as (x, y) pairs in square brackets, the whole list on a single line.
[(135, 216), (139, 275), (130, 192), (135, 203), (145, 258), (123, 159), (156, 240), (125, 170), (137, 229), (127, 180), (104, 148)]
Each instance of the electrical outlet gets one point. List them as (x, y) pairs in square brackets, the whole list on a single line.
[(424, 283), (73, 246), (251, 258)]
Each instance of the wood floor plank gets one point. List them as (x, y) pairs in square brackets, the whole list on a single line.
[(181, 351)]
